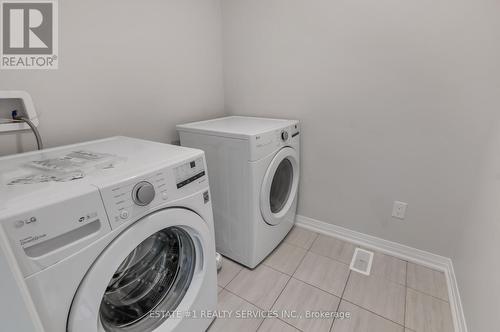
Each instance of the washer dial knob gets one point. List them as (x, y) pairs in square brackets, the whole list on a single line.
[(143, 193), (284, 136)]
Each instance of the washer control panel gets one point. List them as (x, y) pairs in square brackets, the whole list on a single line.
[(127, 199), (142, 194), (189, 172)]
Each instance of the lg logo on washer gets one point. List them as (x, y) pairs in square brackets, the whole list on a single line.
[(29, 35)]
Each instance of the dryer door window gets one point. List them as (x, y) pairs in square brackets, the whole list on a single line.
[(281, 186), (154, 276)]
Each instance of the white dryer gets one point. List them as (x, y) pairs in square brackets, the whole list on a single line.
[(254, 167), (111, 235)]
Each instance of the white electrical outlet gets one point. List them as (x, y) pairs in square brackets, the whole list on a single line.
[(399, 209)]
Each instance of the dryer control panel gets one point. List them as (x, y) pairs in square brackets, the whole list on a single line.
[(264, 144), (140, 195)]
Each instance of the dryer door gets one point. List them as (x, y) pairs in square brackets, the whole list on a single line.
[(150, 270), (279, 186)]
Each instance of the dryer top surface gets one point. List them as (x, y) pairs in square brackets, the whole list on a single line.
[(237, 126)]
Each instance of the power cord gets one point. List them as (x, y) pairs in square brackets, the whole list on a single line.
[(19, 118)]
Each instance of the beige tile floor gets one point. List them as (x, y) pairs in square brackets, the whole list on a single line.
[(309, 272)]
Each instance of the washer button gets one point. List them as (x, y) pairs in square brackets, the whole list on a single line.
[(143, 193), (124, 214)]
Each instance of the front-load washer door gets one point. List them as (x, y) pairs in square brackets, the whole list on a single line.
[(147, 274), (279, 186)]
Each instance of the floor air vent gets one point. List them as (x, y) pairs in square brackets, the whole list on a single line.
[(362, 261)]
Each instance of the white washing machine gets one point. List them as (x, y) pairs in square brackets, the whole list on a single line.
[(254, 169), (111, 235)]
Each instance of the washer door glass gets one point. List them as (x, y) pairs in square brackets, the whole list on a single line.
[(154, 277), (281, 186)]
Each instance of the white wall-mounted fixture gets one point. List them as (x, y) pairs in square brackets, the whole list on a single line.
[(399, 210), (20, 101)]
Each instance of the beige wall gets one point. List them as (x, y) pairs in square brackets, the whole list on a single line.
[(134, 68), (397, 100)]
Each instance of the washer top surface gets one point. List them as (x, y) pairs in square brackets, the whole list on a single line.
[(35, 178), (237, 126)]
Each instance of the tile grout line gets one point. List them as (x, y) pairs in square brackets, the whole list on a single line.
[(274, 302), (406, 294), (263, 319), (241, 298), (263, 263), (427, 294), (296, 328), (345, 286), (274, 269), (379, 315), (288, 281), (333, 259), (405, 284), (296, 245), (262, 322), (305, 282), (421, 291), (406, 279), (291, 276), (315, 287), (227, 290), (341, 297), (314, 240), (348, 264), (374, 313), (337, 261), (242, 268), (359, 306)]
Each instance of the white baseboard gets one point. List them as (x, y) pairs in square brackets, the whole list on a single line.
[(398, 250)]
